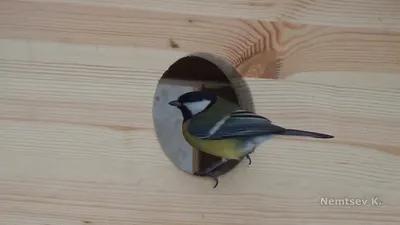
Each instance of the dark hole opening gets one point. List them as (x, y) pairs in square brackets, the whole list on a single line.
[(202, 72)]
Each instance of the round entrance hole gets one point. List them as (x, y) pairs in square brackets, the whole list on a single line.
[(203, 72)]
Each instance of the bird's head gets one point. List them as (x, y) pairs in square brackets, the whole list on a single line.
[(193, 103)]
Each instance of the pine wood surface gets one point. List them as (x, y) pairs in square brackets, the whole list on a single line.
[(77, 82)]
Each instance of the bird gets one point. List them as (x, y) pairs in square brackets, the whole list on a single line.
[(222, 128)]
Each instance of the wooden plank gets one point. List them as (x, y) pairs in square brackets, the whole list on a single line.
[(383, 14), (120, 188), (289, 47), (41, 88), (73, 150), (350, 79)]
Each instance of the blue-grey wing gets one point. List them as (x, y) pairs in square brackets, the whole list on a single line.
[(238, 124)]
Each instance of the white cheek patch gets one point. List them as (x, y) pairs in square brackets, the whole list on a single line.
[(197, 107)]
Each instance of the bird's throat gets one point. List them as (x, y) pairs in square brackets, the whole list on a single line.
[(186, 114)]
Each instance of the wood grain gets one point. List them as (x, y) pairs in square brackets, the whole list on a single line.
[(73, 150), (382, 14), (77, 84), (289, 47)]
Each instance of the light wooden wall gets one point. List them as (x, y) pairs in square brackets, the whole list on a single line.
[(77, 79)]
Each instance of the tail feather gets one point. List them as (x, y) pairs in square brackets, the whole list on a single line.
[(293, 132)]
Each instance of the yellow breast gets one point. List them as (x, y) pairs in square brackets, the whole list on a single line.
[(226, 148)]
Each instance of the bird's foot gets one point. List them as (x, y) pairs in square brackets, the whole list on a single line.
[(248, 157), (209, 174), (214, 166)]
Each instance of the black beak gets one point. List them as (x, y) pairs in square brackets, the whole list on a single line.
[(174, 103)]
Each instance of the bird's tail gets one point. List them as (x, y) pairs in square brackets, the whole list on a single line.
[(293, 132)]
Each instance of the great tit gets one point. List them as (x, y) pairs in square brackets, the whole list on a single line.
[(221, 128)]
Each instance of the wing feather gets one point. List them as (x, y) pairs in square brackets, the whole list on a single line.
[(239, 123)]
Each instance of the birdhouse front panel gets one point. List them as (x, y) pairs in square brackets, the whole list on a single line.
[(87, 135)]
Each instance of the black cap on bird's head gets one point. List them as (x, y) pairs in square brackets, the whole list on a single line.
[(193, 103)]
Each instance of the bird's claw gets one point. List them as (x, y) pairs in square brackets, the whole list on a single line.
[(208, 174), (216, 181), (248, 157)]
